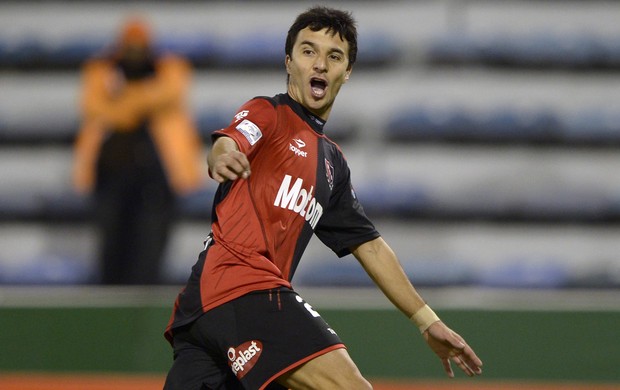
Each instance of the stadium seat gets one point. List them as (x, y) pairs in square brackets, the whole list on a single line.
[(422, 272), (511, 124), (452, 47), (439, 272), (414, 123), (378, 49), (202, 49), (592, 126), (264, 50), (208, 120), (526, 272), (396, 200), (334, 272), (72, 53), (197, 205), (47, 269), (533, 49), (504, 124)]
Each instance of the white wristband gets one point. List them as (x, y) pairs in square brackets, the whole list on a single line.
[(424, 318)]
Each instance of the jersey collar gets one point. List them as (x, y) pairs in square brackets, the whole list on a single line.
[(314, 121)]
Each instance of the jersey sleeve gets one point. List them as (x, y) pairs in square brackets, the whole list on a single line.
[(345, 224), (251, 126)]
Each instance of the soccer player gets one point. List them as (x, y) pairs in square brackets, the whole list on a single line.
[(238, 323)]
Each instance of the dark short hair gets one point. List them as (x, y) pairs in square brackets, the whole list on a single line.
[(320, 17)]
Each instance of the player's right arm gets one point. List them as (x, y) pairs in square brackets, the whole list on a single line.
[(226, 162), (234, 146)]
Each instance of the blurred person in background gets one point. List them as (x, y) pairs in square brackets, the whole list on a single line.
[(137, 149)]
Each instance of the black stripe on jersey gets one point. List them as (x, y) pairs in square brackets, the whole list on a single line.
[(220, 194)]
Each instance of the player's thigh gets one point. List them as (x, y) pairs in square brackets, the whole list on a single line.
[(333, 370)]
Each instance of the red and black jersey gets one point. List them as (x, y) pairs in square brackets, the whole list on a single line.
[(300, 185)]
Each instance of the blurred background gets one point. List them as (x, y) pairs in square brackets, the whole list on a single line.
[(484, 141)]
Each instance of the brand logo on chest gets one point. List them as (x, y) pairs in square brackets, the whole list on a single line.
[(297, 148)]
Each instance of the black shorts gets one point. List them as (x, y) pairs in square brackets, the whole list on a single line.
[(249, 342)]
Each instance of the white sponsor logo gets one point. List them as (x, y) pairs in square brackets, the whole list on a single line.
[(299, 200), (250, 131), (297, 149), (243, 358)]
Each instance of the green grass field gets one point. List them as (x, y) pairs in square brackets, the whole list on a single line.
[(534, 339)]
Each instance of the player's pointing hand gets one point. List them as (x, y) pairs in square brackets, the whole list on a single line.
[(226, 162), (231, 166)]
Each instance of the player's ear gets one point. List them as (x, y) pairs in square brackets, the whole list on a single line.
[(347, 74), (287, 62)]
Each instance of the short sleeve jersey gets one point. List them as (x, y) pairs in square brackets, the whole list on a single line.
[(300, 184)]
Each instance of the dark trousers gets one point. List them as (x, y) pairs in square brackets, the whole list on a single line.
[(134, 210)]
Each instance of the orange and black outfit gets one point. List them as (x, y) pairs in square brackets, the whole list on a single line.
[(136, 150)]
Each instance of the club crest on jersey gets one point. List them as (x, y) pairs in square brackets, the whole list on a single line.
[(329, 173), (250, 131), (242, 358)]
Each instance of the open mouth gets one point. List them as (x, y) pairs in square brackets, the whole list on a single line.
[(318, 87)]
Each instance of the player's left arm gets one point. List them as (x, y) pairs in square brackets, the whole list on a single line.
[(384, 268)]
